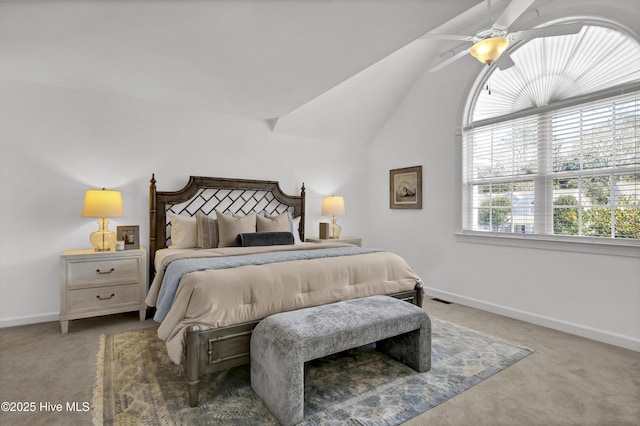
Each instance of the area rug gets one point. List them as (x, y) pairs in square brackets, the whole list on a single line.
[(138, 384)]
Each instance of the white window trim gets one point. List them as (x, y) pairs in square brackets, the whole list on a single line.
[(546, 240), (593, 245)]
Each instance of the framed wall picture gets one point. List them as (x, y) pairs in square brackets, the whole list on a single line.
[(405, 188), (130, 235)]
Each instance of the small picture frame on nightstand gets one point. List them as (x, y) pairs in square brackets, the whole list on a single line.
[(130, 235)]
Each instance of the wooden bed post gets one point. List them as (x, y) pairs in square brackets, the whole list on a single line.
[(419, 293), (152, 226), (192, 355), (302, 194)]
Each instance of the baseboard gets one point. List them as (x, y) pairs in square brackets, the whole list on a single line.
[(31, 319), (623, 341), (556, 324)]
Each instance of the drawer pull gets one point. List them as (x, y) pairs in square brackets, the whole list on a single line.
[(107, 272), (105, 298)]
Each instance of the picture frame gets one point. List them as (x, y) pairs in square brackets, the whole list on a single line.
[(405, 188), (130, 235)]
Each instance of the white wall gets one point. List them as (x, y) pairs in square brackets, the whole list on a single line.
[(593, 295), (56, 143)]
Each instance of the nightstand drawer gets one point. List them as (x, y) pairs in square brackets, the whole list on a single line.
[(97, 298), (105, 271), (102, 283)]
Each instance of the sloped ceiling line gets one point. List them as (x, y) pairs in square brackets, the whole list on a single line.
[(259, 59), (355, 110)]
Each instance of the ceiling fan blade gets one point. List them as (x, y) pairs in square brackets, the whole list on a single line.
[(504, 61), (511, 13), (550, 31), (446, 37), (447, 61)]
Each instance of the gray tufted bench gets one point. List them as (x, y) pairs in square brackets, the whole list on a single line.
[(282, 343)]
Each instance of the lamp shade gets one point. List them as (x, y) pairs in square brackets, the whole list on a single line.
[(333, 205), (102, 203), (489, 50)]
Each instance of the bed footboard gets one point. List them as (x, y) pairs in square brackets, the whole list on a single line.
[(208, 351)]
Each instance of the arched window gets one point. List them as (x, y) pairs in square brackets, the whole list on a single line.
[(551, 146)]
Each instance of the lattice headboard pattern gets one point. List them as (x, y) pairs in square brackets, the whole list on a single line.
[(237, 202), (208, 194)]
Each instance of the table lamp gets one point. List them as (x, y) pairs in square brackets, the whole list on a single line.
[(334, 206), (102, 203)]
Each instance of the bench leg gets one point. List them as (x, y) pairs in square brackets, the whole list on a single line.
[(412, 349), (279, 381)]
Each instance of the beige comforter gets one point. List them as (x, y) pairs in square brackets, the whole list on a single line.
[(217, 298)]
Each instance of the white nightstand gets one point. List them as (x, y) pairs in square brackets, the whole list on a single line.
[(102, 283), (356, 241)]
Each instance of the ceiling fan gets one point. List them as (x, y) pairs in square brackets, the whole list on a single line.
[(489, 45)]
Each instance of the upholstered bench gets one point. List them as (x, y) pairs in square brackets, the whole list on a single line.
[(282, 343)]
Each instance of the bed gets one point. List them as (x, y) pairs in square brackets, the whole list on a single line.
[(210, 297)]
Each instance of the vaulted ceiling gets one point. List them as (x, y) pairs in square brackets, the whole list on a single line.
[(317, 68)]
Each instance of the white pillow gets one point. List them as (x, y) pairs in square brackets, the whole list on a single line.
[(184, 232), (229, 227), (295, 225), (279, 223)]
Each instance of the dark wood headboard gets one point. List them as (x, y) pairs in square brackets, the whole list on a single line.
[(210, 194)]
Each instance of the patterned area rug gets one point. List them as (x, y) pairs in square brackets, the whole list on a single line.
[(138, 384)]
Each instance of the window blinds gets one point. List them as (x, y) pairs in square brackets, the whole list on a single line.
[(551, 69), (567, 171)]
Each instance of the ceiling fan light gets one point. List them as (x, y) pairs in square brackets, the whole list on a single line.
[(489, 50)]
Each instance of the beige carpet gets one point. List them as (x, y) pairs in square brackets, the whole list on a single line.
[(569, 380)]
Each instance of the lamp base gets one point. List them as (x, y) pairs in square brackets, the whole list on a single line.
[(103, 239), (334, 229)]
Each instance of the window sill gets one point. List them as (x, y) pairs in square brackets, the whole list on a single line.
[(630, 248)]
